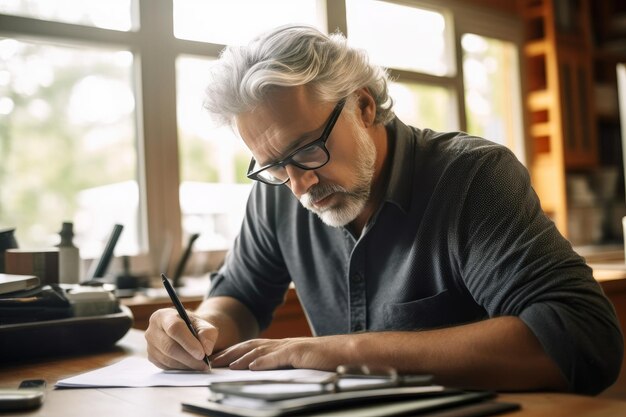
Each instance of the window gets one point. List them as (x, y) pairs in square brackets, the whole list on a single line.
[(238, 21), (68, 142), (99, 126), (490, 67), (480, 93), (403, 37), (423, 105), (213, 164), (110, 14)]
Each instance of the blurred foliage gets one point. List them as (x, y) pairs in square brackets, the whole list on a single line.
[(47, 156)]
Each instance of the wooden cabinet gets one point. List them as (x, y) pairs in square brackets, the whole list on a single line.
[(559, 64), (609, 28), (574, 152)]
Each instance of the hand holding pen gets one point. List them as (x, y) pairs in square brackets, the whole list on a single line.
[(182, 313)]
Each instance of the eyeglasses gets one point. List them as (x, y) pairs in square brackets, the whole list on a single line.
[(313, 155), (346, 378)]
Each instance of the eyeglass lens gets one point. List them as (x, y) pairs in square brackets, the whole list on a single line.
[(310, 157)]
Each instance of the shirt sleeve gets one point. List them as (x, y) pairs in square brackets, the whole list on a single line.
[(516, 263), (254, 271)]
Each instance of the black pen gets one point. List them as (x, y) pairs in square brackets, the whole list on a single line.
[(181, 312)]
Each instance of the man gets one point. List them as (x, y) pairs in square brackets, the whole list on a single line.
[(424, 251)]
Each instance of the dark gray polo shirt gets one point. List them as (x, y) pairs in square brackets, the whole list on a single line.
[(460, 237)]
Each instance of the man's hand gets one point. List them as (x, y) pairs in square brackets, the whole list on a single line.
[(324, 353), (172, 346), (500, 353)]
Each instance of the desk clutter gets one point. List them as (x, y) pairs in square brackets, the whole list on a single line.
[(428, 401), (55, 265), (45, 311), (58, 319), (32, 302), (351, 391)]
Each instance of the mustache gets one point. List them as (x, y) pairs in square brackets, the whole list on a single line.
[(318, 192)]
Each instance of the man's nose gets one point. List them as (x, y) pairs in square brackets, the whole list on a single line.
[(300, 180)]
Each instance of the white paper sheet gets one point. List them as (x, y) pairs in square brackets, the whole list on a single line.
[(139, 372)]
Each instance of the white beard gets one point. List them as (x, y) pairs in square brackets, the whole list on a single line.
[(354, 200)]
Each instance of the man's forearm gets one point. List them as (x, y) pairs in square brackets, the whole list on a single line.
[(500, 352), (233, 320)]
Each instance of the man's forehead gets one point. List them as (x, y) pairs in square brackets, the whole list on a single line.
[(280, 124)]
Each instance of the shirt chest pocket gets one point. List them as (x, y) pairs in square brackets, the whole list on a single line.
[(439, 310)]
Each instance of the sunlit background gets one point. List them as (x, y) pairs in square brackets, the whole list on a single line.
[(71, 129)]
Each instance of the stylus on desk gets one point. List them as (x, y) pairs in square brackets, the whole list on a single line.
[(99, 268), (180, 267), (181, 312)]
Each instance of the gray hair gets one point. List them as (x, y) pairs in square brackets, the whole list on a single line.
[(291, 56)]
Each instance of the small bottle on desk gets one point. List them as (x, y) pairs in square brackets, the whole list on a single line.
[(69, 259)]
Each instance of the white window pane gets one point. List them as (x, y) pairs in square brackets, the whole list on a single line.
[(424, 106), (109, 14), (67, 144), (213, 164), (238, 21), (401, 37), (492, 101)]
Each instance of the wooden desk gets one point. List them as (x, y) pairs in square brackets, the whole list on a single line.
[(612, 279), (163, 401), (289, 319)]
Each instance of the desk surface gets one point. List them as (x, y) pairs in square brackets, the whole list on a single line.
[(160, 401)]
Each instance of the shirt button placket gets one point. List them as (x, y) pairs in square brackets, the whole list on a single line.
[(357, 301)]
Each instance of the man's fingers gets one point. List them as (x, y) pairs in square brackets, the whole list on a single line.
[(174, 356), (246, 359), (255, 354), (206, 332), (171, 345), (271, 360), (228, 356), (262, 354), (162, 361), (176, 328)]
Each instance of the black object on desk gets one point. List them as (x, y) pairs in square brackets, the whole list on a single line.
[(378, 402), (181, 312), (103, 263), (64, 336), (127, 284), (353, 390), (29, 395), (180, 267), (7, 241), (34, 305)]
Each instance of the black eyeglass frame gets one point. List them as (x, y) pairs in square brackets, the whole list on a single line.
[(288, 160)]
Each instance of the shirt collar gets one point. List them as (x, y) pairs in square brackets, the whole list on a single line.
[(402, 143)]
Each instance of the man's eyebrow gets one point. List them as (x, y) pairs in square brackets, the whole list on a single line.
[(300, 141)]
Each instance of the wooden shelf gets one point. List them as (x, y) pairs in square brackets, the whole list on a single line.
[(540, 100), (541, 129), (533, 12), (535, 48), (559, 100)]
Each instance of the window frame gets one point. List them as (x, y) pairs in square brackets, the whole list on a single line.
[(155, 92), (465, 18)]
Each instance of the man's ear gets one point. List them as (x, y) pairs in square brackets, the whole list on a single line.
[(367, 106)]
